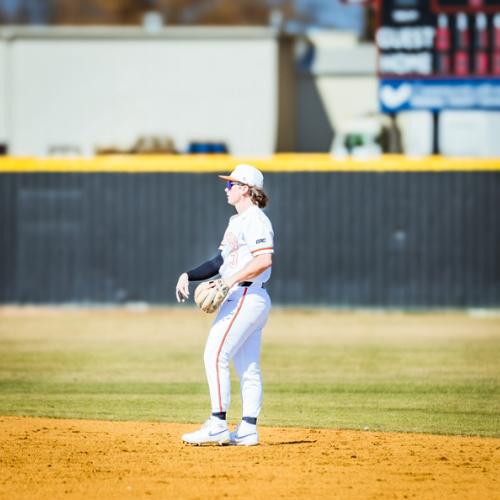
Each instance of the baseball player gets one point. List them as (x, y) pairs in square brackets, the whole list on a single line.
[(244, 262)]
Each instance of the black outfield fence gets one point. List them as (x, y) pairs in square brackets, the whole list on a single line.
[(395, 239)]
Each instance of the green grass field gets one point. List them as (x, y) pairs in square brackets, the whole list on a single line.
[(437, 373)]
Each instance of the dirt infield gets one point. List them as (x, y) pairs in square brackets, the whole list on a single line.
[(49, 458)]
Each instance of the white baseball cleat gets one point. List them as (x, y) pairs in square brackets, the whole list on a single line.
[(245, 435), (213, 431)]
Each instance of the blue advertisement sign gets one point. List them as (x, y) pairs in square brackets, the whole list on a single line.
[(401, 95)]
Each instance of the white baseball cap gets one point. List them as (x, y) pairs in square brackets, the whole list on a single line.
[(246, 174)]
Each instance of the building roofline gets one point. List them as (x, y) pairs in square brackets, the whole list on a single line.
[(12, 32)]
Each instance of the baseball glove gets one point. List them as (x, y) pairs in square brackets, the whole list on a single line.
[(209, 295)]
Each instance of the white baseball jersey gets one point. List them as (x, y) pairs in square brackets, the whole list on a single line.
[(247, 235)]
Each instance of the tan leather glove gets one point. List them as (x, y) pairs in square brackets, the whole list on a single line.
[(209, 295)]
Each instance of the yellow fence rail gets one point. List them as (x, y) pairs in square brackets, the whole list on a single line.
[(283, 162)]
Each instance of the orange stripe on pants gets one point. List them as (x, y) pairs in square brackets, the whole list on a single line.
[(222, 343)]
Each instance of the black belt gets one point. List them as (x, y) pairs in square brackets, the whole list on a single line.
[(250, 283)]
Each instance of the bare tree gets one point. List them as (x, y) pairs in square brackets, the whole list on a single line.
[(130, 12)]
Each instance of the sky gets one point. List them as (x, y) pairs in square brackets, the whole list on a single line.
[(332, 13)]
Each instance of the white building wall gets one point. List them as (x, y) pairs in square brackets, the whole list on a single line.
[(88, 91), (344, 72), (348, 97)]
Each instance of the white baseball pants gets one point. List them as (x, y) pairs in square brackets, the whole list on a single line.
[(236, 334)]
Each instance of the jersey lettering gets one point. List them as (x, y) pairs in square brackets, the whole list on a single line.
[(248, 235)]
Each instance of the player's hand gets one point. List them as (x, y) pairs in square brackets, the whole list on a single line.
[(182, 288)]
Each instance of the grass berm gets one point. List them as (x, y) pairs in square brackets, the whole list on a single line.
[(434, 373)]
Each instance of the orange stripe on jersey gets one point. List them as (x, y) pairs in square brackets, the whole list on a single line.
[(261, 249)]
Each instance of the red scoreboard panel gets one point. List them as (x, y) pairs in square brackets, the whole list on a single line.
[(467, 6)]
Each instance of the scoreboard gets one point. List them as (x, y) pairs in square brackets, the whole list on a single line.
[(439, 54)]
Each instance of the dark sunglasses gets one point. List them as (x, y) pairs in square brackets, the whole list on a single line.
[(230, 184)]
